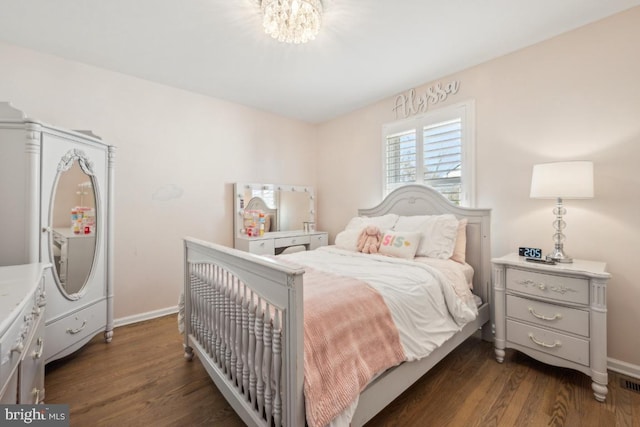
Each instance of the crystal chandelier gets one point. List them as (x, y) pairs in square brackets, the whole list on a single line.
[(292, 21)]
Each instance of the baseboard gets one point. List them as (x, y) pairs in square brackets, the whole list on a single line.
[(144, 316), (624, 368)]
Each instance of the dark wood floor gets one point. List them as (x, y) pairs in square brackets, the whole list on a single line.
[(140, 379)]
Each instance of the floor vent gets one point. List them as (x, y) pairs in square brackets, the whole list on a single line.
[(630, 385)]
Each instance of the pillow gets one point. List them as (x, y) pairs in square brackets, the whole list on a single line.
[(438, 233), (384, 222), (400, 244), (460, 248), (348, 239)]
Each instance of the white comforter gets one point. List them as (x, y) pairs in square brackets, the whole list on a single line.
[(428, 305)]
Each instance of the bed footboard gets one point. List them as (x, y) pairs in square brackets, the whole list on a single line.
[(243, 318)]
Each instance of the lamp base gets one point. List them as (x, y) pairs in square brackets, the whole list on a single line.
[(558, 255)]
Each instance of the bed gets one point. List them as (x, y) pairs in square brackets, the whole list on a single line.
[(243, 317)]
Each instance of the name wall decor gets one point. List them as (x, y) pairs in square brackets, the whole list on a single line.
[(410, 104)]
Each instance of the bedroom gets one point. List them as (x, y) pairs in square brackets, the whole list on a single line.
[(573, 96)]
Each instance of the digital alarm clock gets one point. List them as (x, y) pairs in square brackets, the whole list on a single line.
[(530, 252)]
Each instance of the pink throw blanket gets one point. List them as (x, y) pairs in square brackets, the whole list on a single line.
[(349, 336)]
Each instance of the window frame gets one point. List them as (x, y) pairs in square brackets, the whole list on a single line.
[(463, 110)]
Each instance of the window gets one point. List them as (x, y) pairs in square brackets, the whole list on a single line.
[(434, 149)]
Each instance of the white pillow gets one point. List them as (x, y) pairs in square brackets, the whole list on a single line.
[(401, 244), (348, 239), (384, 222), (438, 233)]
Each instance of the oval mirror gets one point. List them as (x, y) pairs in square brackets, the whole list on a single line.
[(73, 224)]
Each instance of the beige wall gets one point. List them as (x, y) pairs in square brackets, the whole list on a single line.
[(576, 96), (170, 143)]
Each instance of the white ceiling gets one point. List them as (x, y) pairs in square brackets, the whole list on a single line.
[(367, 50)]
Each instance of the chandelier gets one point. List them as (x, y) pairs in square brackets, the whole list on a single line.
[(292, 21)]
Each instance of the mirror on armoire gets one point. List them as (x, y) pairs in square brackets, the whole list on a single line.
[(74, 223)]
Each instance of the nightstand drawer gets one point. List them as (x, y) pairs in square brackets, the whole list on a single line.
[(284, 242), (561, 288), (550, 342), (554, 316)]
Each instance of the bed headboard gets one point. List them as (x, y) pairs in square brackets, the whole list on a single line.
[(421, 200)]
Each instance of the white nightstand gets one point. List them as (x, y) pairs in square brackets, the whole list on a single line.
[(556, 314)]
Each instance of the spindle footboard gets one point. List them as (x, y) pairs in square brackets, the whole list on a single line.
[(249, 339)]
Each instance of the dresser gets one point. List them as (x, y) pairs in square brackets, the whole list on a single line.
[(275, 242), (556, 314), (57, 191), (22, 310)]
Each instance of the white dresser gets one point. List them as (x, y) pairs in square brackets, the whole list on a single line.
[(22, 309), (275, 242), (48, 175), (556, 314)]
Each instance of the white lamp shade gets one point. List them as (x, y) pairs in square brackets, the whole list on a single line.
[(566, 180)]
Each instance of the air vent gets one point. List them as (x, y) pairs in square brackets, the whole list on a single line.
[(630, 385)]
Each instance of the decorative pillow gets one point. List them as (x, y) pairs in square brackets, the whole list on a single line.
[(399, 244), (460, 247), (384, 222), (348, 239), (438, 233)]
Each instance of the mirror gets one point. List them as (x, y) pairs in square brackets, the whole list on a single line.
[(73, 224), (285, 207)]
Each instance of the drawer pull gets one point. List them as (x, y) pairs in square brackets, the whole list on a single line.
[(544, 344), (75, 331), (37, 354), (18, 347), (36, 395), (542, 317)]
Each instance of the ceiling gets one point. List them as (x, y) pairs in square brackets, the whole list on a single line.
[(367, 50)]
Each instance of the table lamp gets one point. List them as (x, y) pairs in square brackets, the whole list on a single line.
[(561, 180)]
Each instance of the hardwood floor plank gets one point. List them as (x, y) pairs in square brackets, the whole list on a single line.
[(141, 379), (520, 399)]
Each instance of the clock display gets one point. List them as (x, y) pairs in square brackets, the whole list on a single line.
[(530, 252)]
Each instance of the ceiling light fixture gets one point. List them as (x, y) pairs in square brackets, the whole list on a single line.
[(292, 21)]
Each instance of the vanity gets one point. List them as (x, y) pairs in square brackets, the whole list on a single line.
[(22, 310), (59, 184), (271, 218)]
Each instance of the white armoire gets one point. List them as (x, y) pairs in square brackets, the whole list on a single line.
[(56, 192)]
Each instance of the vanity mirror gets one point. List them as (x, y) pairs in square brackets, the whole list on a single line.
[(271, 218), (288, 207), (74, 224)]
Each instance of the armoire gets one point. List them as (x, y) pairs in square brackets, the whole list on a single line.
[(56, 206)]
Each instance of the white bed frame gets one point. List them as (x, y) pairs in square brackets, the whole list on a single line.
[(243, 312)]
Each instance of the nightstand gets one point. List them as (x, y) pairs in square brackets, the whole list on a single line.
[(556, 314)]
